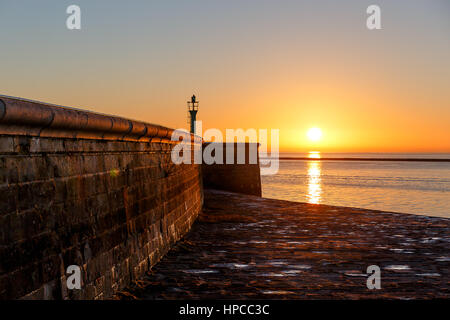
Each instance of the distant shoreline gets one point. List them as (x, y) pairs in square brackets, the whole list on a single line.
[(363, 159)]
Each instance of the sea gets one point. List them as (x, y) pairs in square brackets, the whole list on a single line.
[(415, 187)]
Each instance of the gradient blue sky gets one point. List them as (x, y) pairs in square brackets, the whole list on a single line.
[(253, 64)]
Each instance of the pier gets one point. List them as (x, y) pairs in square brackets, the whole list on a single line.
[(101, 194), (247, 247)]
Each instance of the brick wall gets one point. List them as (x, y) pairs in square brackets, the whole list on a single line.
[(79, 188), (236, 177)]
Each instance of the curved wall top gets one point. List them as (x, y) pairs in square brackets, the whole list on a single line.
[(31, 118)]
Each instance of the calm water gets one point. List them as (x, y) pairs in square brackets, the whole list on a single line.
[(409, 187)]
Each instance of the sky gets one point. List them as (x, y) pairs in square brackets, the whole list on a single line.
[(287, 65)]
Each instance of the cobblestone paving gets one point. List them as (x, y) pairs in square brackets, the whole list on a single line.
[(248, 247)]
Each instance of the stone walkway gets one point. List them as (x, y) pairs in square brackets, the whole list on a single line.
[(245, 247)]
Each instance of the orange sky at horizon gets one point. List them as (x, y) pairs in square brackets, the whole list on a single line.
[(287, 65)]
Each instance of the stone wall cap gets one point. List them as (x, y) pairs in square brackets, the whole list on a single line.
[(19, 116)]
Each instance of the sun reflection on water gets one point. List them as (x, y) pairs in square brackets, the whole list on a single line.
[(314, 182), (314, 155)]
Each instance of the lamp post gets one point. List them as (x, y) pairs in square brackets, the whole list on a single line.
[(193, 109)]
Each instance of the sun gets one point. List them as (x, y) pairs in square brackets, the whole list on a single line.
[(314, 134)]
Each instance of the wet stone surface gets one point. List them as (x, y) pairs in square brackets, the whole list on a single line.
[(248, 247)]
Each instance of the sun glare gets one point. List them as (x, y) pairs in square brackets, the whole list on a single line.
[(314, 155), (314, 134)]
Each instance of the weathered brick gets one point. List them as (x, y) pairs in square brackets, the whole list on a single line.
[(110, 206), (6, 144)]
